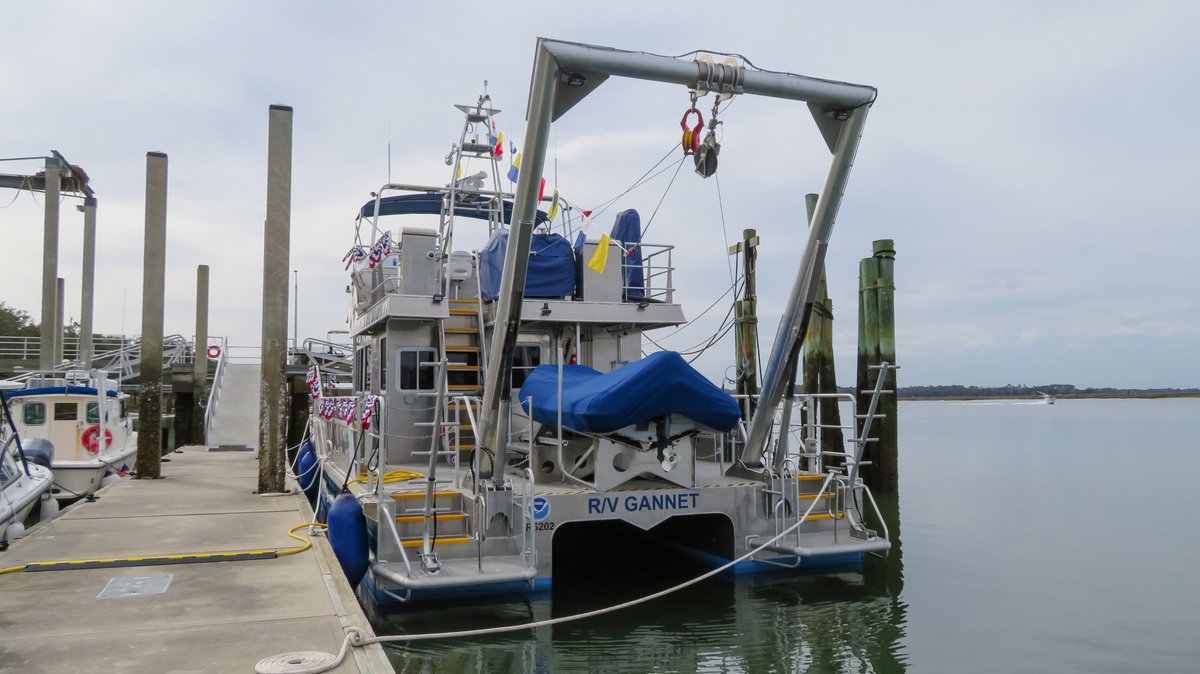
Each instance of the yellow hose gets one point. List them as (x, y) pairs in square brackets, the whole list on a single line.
[(202, 556)]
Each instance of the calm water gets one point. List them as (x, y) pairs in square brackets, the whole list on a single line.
[(1034, 538)]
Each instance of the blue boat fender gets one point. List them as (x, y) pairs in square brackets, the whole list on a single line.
[(348, 536), (308, 472)]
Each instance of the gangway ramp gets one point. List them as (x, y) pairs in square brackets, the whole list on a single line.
[(234, 420)]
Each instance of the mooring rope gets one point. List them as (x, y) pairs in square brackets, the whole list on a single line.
[(301, 662)]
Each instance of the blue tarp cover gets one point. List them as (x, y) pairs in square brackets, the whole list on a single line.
[(551, 266), (659, 384), (628, 230), (52, 390)]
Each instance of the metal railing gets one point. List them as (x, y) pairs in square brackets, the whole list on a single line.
[(123, 355), (214, 393), (657, 274), (30, 347)]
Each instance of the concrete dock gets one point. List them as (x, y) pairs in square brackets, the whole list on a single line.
[(212, 617)]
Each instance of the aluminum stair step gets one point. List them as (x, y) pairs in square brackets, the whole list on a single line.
[(459, 573), (440, 540)]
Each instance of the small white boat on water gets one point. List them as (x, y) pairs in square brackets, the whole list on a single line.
[(23, 484), (78, 424)]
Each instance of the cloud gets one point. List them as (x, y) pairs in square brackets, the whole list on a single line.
[(1032, 162)]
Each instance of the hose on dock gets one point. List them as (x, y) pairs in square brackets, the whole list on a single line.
[(158, 560)]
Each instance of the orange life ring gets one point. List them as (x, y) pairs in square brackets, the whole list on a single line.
[(91, 439), (214, 352)]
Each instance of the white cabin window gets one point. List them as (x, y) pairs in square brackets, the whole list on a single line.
[(93, 413), (9, 469), (416, 369), (66, 411), (35, 414)]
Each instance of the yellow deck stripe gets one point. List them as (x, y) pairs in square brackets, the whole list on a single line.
[(449, 540), (822, 516), (421, 518), (420, 494)]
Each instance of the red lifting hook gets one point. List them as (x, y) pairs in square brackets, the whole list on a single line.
[(691, 137)]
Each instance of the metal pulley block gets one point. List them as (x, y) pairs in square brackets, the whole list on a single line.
[(706, 156)]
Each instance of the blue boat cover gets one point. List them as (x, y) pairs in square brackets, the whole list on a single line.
[(659, 384), (551, 266), (628, 231), (56, 390), (430, 203)]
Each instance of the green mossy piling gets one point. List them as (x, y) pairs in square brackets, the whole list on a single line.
[(746, 320), (819, 374), (877, 344)]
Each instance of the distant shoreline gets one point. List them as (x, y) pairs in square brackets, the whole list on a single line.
[(1065, 396)]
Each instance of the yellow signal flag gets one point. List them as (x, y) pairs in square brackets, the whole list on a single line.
[(600, 257), (553, 208)]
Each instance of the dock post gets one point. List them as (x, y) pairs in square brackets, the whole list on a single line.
[(200, 365), (149, 451), (886, 468), (819, 371), (50, 264), (60, 292), (276, 241), (877, 344), (746, 320), (868, 353), (86, 295)]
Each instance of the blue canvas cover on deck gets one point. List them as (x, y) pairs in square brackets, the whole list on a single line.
[(551, 266), (659, 384), (628, 230)]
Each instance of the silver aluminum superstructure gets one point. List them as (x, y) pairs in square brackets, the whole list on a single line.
[(462, 489)]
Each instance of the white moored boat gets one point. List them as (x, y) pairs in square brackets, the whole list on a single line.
[(82, 423), (23, 483)]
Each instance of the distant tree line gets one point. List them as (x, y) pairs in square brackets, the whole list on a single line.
[(17, 323), (1020, 391)]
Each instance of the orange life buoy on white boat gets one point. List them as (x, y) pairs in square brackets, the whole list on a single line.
[(91, 439)]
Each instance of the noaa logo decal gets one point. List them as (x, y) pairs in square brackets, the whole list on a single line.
[(541, 508)]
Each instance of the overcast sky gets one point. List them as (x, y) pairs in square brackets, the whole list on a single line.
[(1036, 163)]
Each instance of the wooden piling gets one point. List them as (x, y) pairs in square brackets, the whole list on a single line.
[(60, 293), (887, 468), (50, 265), (819, 372), (149, 452), (273, 406), (746, 322), (88, 284), (877, 344), (200, 365)]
